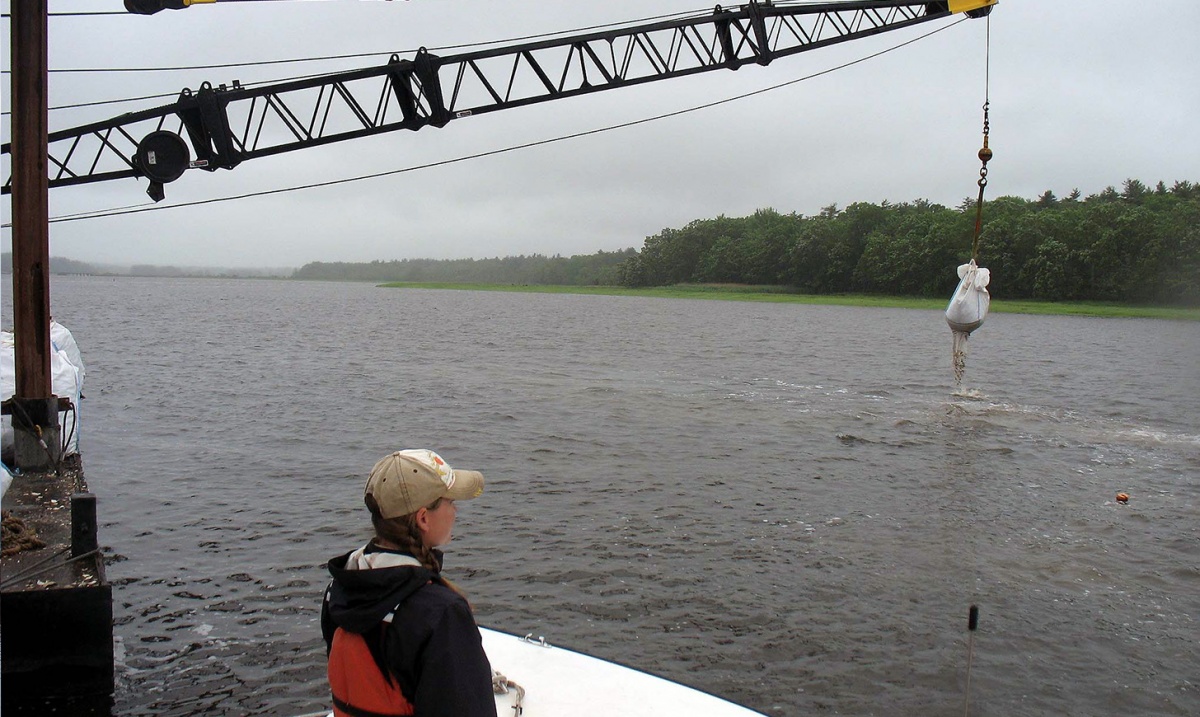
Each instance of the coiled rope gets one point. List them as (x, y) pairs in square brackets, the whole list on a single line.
[(18, 537), (501, 685)]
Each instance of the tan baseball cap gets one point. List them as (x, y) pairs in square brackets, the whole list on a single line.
[(406, 481)]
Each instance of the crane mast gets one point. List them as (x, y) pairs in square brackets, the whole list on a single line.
[(226, 125)]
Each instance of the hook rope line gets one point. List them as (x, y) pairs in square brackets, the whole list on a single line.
[(985, 153)]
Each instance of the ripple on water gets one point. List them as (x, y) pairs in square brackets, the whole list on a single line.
[(663, 483)]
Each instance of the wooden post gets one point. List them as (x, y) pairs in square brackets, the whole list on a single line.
[(35, 410)]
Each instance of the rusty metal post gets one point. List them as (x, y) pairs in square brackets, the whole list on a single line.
[(35, 409)]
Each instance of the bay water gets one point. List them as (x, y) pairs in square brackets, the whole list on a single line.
[(789, 506)]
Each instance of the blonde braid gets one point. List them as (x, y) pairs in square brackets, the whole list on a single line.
[(402, 533)]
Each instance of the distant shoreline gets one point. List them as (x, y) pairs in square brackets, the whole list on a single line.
[(770, 294), (774, 294)]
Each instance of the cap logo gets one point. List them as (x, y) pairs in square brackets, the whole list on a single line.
[(444, 471)]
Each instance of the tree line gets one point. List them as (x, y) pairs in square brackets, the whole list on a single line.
[(599, 269), (1137, 245), (63, 265)]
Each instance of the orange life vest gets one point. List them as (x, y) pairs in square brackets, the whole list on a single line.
[(359, 688)]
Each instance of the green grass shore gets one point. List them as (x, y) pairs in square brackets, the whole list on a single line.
[(777, 294)]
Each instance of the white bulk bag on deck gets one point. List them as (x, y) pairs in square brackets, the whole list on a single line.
[(66, 379)]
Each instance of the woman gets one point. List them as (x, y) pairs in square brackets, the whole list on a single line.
[(401, 639)]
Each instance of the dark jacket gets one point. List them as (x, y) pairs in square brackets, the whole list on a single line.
[(432, 646)]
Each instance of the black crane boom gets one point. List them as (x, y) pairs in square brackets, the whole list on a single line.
[(227, 125)]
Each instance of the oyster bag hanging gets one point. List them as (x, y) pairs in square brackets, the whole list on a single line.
[(970, 302)]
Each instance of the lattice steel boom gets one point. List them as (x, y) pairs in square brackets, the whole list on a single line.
[(227, 125)]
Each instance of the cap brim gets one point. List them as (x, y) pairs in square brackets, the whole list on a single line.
[(467, 485)]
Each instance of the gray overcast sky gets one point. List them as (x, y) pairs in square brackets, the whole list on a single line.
[(1084, 94)]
